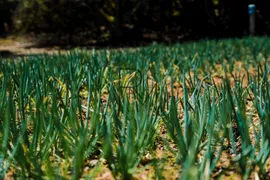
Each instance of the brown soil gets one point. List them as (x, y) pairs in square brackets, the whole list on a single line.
[(19, 47)]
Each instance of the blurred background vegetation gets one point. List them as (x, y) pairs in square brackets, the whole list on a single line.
[(83, 22)]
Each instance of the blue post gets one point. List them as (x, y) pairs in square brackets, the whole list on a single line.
[(251, 12)]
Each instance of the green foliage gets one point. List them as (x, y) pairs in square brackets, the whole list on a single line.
[(63, 110), (170, 20), (7, 9)]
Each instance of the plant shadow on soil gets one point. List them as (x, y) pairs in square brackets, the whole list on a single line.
[(7, 54)]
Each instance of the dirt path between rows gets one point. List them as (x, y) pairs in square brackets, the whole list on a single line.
[(9, 48), (22, 46)]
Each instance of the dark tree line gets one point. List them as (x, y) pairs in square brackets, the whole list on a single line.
[(131, 20)]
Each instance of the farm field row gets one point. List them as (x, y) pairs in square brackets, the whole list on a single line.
[(197, 110)]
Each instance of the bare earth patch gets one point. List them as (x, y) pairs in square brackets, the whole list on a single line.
[(20, 47)]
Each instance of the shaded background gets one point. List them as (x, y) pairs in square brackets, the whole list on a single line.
[(88, 22)]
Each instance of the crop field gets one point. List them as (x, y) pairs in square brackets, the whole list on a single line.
[(198, 110)]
